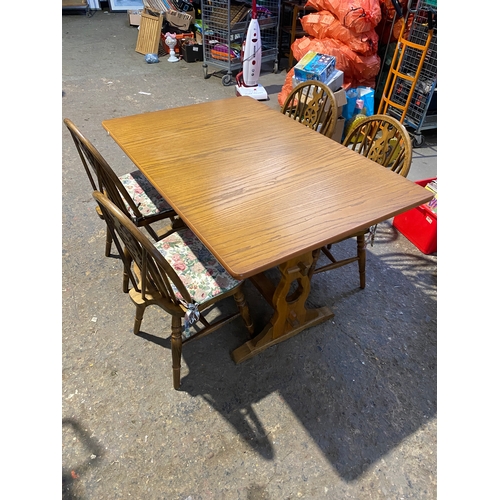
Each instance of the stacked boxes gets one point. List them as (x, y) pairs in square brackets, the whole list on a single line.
[(335, 83), (315, 66), (180, 20)]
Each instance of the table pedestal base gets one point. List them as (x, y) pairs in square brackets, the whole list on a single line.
[(290, 316), (267, 338)]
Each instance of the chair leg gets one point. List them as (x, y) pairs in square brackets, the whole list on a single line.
[(127, 264), (239, 297), (125, 280), (139, 314), (361, 259), (109, 240), (176, 346)]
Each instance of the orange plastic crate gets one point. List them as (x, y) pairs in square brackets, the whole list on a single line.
[(419, 225)]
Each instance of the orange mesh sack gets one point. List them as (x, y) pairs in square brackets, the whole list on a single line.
[(324, 24), (388, 10), (355, 67), (352, 83), (286, 89), (357, 15)]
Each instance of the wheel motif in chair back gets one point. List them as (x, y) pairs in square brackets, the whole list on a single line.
[(384, 141), (313, 110), (312, 104), (386, 146)]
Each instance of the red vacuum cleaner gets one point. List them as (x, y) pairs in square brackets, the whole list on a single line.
[(247, 80)]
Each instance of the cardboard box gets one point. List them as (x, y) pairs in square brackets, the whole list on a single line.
[(134, 17), (338, 93), (339, 130), (341, 100), (335, 83), (192, 52), (180, 20), (336, 80), (419, 225), (315, 66)]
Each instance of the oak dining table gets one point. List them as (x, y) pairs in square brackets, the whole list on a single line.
[(262, 191)]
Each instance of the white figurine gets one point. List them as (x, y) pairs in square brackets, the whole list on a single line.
[(171, 41)]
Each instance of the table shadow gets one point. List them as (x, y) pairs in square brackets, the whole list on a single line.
[(359, 384)]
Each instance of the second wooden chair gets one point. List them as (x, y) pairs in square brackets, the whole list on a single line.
[(132, 192), (384, 140), (313, 104)]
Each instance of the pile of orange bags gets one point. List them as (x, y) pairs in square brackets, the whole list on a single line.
[(324, 24), (357, 15), (344, 29), (358, 69), (386, 31)]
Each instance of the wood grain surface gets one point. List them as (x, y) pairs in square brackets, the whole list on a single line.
[(257, 187)]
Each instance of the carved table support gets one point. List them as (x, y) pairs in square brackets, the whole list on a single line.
[(291, 316)]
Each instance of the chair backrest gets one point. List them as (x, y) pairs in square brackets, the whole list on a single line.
[(100, 174), (154, 274), (313, 104), (383, 139)]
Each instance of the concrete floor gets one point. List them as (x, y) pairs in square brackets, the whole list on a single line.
[(345, 410)]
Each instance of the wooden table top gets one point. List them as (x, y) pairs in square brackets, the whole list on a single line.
[(255, 186)]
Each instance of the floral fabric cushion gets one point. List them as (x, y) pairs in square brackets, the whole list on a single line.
[(146, 197), (202, 274)]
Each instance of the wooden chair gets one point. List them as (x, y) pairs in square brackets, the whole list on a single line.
[(313, 104), (293, 27), (131, 192), (176, 273), (386, 141)]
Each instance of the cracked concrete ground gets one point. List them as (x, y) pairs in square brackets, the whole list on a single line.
[(344, 410)]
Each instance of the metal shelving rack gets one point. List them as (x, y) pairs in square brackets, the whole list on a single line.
[(415, 74), (224, 25)]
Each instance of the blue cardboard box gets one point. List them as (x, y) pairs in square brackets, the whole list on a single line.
[(315, 66)]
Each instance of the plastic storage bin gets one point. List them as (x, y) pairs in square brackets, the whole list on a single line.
[(419, 225)]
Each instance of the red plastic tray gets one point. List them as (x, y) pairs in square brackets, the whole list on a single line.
[(419, 225)]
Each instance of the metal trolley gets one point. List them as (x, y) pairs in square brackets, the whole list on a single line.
[(224, 26), (412, 80)]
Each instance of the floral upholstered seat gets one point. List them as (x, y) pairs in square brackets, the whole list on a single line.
[(202, 274), (144, 194)]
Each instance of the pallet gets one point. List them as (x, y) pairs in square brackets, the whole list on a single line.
[(148, 39)]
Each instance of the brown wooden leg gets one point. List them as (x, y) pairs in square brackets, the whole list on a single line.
[(126, 269), (239, 297), (290, 314), (176, 346), (139, 314), (361, 260), (109, 240), (125, 281)]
